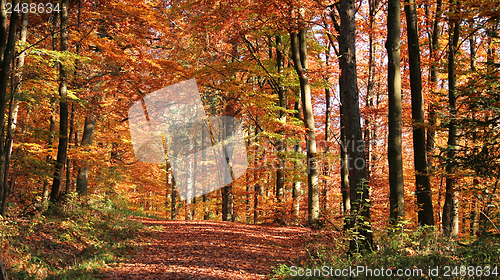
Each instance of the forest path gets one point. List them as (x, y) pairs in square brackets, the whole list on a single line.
[(209, 250)]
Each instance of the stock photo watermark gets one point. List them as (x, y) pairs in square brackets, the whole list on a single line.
[(364, 271), (207, 153)]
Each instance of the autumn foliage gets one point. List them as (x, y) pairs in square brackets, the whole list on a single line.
[(261, 62)]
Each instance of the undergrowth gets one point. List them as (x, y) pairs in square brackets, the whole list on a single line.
[(417, 252), (72, 240)]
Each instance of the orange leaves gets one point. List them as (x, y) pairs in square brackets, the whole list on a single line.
[(207, 249)]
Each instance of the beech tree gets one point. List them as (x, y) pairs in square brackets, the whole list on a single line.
[(7, 49), (359, 220), (450, 208), (423, 192), (397, 203), (300, 61), (62, 149)]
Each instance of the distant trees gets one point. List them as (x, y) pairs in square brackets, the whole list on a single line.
[(275, 68)]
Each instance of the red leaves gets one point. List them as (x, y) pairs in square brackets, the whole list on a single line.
[(210, 250)]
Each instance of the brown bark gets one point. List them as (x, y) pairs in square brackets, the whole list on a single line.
[(62, 149), (433, 47), (87, 138), (450, 208), (423, 184), (397, 203), (8, 53), (281, 145), (296, 189), (359, 219)]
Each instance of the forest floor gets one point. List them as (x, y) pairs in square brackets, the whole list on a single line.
[(209, 250)]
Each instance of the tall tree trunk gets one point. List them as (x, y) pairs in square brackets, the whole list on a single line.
[(206, 211), (325, 161), (72, 118), (16, 78), (173, 204), (7, 49), (70, 139), (424, 192), (227, 191), (450, 208), (87, 138), (370, 89), (282, 103), (433, 48), (248, 215), (344, 169), (3, 29), (52, 124), (299, 56), (397, 203), (257, 194), (328, 111), (62, 149), (474, 211), (296, 189), (359, 220)]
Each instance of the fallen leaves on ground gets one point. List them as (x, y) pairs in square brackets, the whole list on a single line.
[(209, 250)]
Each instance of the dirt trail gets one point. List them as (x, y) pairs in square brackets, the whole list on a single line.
[(209, 250)]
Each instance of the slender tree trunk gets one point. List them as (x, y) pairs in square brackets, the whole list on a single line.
[(450, 208), (13, 112), (325, 161), (173, 204), (3, 29), (328, 112), (359, 221), (344, 169), (297, 184), (370, 89), (397, 203), (424, 192), (55, 194), (3, 271), (168, 193), (72, 118), (282, 103), (52, 124), (87, 138), (474, 211), (7, 49), (70, 139), (299, 56), (206, 215), (433, 47), (258, 193), (248, 211), (227, 191)]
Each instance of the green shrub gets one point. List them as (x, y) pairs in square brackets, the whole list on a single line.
[(416, 252)]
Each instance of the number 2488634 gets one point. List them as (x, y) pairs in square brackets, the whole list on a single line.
[(32, 8)]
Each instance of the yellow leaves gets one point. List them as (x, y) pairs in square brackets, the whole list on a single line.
[(31, 147), (71, 95)]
